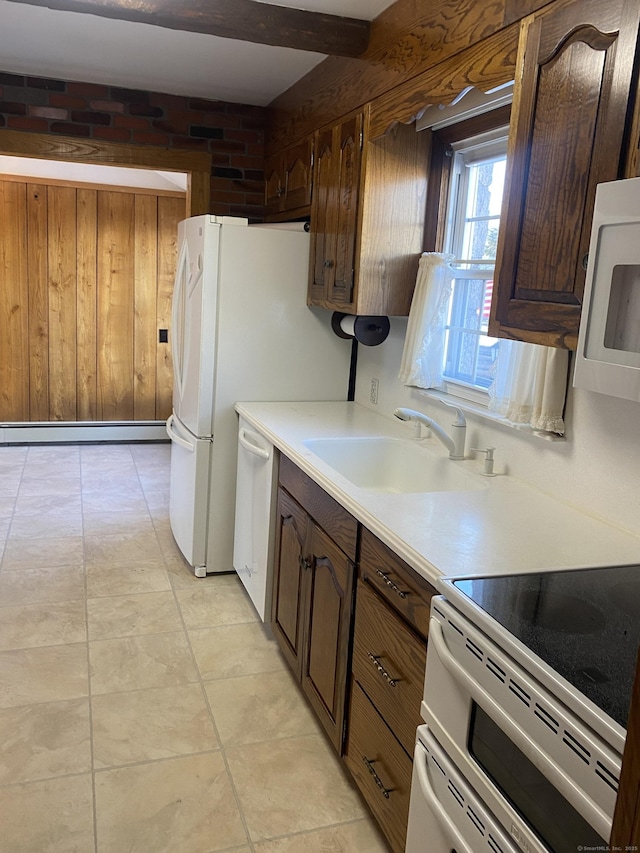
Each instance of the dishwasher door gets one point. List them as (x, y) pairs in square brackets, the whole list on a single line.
[(255, 503)]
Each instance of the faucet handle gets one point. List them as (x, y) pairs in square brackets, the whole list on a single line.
[(460, 418), (488, 459)]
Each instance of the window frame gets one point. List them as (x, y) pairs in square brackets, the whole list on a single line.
[(445, 142)]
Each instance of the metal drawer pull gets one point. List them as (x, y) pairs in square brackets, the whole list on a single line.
[(383, 672), (369, 765), (394, 586)]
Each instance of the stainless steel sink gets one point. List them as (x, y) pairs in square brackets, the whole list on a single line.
[(393, 465)]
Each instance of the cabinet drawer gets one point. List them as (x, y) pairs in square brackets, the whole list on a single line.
[(404, 589), (389, 663), (320, 506), (380, 768)]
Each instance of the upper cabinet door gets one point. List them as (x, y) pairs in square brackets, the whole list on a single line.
[(334, 214), (573, 83)]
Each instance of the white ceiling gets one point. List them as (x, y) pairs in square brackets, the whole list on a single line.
[(71, 46)]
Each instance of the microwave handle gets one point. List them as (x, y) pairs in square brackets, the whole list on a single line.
[(429, 796), (595, 816)]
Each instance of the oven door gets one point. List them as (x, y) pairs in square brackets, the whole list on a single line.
[(545, 776), (445, 814)]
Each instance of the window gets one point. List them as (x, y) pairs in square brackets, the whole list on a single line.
[(471, 236)]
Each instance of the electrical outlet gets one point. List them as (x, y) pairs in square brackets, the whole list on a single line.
[(373, 392)]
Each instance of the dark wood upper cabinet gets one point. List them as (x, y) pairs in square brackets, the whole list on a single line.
[(288, 182), (334, 214), (367, 217), (571, 103)]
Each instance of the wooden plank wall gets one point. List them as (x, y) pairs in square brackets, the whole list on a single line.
[(86, 277), (407, 39)]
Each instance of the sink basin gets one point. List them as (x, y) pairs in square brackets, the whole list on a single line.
[(392, 465)]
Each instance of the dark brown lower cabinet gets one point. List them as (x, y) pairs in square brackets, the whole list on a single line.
[(313, 595), (359, 655), (380, 767)]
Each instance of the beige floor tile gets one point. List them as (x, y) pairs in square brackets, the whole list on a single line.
[(29, 586), (234, 650), (39, 741), (259, 707), (46, 527), (181, 573), (170, 550), (128, 615), (292, 785), (52, 486), (121, 547), (7, 504), (134, 663), (43, 553), (113, 501), (45, 674), (183, 804), (144, 725), (48, 624), (53, 816), (116, 522), (358, 837), (51, 506), (219, 600), (116, 578), (113, 481), (158, 503)]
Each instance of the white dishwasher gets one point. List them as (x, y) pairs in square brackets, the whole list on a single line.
[(256, 489)]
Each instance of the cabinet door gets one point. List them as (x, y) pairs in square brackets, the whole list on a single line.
[(273, 184), (340, 291), (334, 214), (575, 67), (288, 598), (297, 176), (329, 610), (323, 219)]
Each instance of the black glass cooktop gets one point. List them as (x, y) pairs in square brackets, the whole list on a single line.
[(584, 623)]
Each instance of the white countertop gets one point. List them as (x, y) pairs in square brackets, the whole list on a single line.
[(503, 528)]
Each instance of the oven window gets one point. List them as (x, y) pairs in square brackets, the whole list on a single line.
[(550, 816)]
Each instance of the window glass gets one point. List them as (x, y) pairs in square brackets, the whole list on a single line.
[(473, 223)]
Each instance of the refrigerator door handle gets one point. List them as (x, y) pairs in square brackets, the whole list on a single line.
[(173, 435), (244, 437)]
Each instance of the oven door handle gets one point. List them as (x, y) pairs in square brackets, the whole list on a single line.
[(447, 826), (578, 799)]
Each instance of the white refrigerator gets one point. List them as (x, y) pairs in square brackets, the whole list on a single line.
[(241, 330)]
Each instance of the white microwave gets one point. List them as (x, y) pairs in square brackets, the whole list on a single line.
[(608, 355)]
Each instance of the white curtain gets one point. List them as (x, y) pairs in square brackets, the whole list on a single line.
[(530, 385), (423, 355), (530, 382)]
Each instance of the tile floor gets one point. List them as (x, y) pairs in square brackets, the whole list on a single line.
[(143, 710)]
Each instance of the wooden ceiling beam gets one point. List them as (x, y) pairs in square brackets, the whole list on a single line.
[(245, 20)]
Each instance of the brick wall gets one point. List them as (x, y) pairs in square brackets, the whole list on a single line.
[(232, 133)]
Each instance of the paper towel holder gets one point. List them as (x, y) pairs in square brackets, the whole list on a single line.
[(369, 331)]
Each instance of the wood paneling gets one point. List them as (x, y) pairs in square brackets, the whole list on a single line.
[(86, 279), (14, 353), (406, 39), (37, 261), (170, 212), (115, 306), (145, 335), (485, 65), (62, 255), (87, 393)]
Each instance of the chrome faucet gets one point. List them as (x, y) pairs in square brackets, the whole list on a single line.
[(453, 443)]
